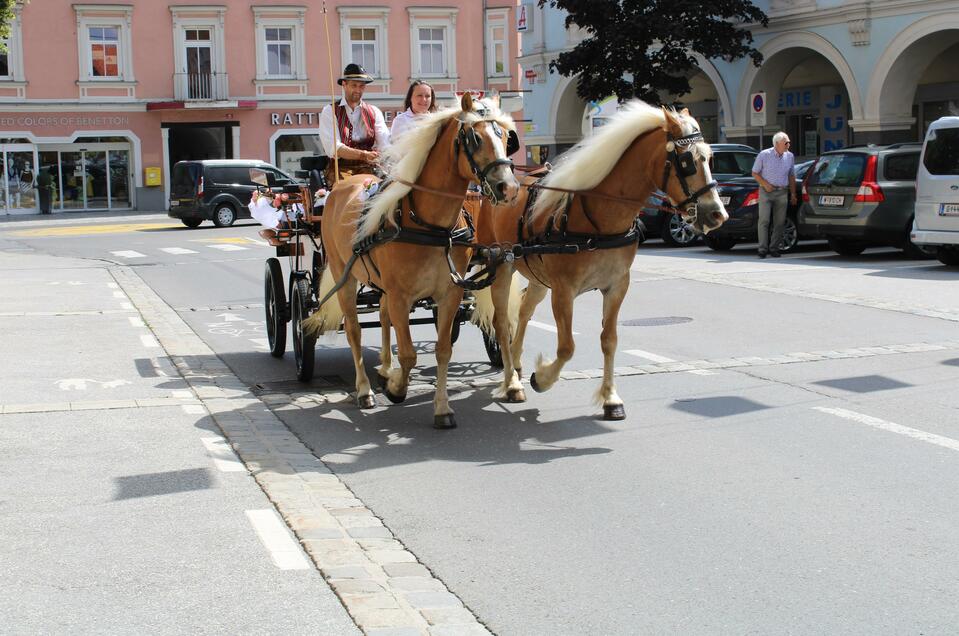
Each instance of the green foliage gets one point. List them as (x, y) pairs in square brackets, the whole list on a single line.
[(6, 16), (639, 48)]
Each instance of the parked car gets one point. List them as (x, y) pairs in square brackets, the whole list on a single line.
[(936, 223), (741, 198), (217, 190), (728, 162), (862, 196)]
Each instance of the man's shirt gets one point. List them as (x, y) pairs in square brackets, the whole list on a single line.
[(360, 132), (773, 167)]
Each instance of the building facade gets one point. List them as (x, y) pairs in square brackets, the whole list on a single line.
[(135, 87), (834, 73)]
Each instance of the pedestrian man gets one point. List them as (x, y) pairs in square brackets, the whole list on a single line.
[(361, 131), (773, 170)]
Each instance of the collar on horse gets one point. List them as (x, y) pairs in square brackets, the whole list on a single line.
[(685, 165)]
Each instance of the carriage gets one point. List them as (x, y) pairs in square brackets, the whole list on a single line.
[(299, 242)]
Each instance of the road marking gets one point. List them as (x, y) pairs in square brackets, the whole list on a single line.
[(194, 409), (79, 230), (177, 250), (128, 254), (223, 456), (181, 394), (126, 306), (113, 286), (261, 342), (228, 247), (136, 321), (892, 427), (149, 341), (546, 327), (276, 538), (658, 359), (119, 294)]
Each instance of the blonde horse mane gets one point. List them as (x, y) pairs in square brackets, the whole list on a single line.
[(406, 158), (588, 162)]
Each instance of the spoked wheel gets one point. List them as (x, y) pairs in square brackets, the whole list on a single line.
[(277, 311), (493, 351), (304, 346)]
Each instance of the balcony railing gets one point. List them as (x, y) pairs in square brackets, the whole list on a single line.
[(200, 86)]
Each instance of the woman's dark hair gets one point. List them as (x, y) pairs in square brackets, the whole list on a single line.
[(408, 104)]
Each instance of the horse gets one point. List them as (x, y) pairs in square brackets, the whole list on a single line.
[(576, 230), (398, 241)]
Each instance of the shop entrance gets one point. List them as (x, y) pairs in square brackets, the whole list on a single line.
[(89, 176), (18, 194), (190, 142)]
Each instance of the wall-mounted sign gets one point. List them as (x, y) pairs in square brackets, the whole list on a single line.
[(524, 17), (757, 109)]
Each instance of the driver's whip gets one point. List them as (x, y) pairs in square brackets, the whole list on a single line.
[(329, 57)]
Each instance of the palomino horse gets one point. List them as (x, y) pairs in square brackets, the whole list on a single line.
[(585, 238), (398, 240)]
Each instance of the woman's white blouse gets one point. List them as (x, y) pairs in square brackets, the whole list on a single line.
[(401, 123)]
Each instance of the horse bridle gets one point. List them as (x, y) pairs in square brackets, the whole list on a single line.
[(470, 141), (685, 165)]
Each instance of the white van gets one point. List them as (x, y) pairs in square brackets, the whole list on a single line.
[(936, 223)]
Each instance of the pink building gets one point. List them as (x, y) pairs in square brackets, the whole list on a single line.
[(106, 97)]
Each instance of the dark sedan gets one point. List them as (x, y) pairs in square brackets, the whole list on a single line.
[(741, 198)]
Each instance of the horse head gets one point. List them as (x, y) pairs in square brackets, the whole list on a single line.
[(481, 149), (687, 180)]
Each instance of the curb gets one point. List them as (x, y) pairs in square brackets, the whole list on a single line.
[(383, 586)]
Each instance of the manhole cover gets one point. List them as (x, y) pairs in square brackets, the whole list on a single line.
[(658, 321)]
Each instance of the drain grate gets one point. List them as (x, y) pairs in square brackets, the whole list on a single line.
[(656, 321)]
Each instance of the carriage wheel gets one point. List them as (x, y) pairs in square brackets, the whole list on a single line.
[(304, 346), (277, 311), (493, 351)]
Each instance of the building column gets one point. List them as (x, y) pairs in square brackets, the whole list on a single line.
[(235, 131), (889, 130)]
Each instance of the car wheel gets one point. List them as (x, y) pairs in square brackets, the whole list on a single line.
[(224, 215), (911, 250), (192, 222), (719, 243), (948, 255), (846, 247), (790, 235), (677, 232)]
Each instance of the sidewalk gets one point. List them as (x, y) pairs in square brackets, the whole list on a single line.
[(68, 218), (122, 508)]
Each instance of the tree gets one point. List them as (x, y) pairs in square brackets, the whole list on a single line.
[(6, 17), (637, 48)]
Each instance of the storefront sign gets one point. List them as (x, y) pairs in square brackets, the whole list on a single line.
[(63, 120), (311, 118)]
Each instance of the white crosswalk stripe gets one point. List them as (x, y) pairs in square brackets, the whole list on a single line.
[(229, 248), (177, 250), (128, 254)]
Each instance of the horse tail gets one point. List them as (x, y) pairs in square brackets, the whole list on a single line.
[(483, 309), (329, 316)]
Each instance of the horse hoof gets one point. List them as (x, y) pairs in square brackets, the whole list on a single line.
[(532, 383), (614, 412), (444, 422), (516, 395), (394, 398), (366, 401)]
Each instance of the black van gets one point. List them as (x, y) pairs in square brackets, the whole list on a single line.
[(217, 190)]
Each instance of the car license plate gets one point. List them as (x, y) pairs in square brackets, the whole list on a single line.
[(174, 203), (725, 200), (949, 209), (831, 200)]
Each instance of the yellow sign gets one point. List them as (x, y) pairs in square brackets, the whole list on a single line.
[(151, 177)]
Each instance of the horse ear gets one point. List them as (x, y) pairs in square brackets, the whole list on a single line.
[(467, 102), (671, 120)]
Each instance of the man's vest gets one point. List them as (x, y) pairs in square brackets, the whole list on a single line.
[(345, 127)]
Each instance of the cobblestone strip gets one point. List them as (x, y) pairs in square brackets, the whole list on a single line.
[(308, 399), (382, 585), (943, 313)]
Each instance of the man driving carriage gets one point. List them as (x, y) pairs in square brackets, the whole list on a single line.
[(361, 131)]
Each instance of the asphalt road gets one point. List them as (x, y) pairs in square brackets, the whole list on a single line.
[(796, 477)]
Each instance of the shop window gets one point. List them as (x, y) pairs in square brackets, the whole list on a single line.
[(433, 42), (363, 34)]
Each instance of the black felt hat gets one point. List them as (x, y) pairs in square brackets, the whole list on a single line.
[(355, 73)]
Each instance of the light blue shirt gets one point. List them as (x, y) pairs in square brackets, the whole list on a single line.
[(773, 167)]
